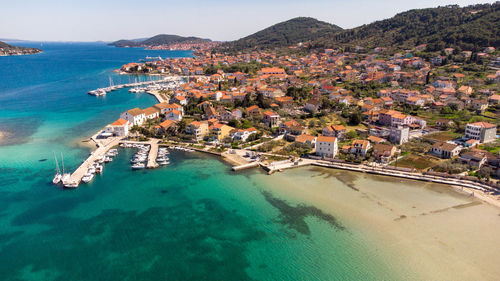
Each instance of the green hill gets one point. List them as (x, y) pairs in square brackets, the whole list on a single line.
[(161, 39), (468, 28), (286, 33)]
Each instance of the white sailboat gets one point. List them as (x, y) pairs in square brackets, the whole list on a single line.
[(57, 176), (65, 176)]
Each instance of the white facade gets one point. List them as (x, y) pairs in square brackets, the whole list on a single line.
[(326, 146), (134, 119)]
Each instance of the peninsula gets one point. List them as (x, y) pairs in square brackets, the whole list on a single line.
[(10, 50)]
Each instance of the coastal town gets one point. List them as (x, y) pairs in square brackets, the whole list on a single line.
[(412, 112)]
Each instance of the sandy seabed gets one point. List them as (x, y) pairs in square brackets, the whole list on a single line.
[(429, 230)]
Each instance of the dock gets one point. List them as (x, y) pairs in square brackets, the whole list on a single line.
[(153, 153), (77, 175), (246, 166), (136, 84)]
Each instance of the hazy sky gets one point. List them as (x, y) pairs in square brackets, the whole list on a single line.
[(107, 20)]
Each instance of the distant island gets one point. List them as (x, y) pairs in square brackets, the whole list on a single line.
[(9, 50), (168, 42)]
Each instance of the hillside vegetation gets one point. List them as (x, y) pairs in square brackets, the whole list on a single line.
[(283, 34), (469, 28), (161, 39)]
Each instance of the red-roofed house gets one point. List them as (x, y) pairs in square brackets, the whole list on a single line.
[(481, 131), (326, 147)]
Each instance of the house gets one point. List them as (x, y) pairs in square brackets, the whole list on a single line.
[(326, 147), (237, 114), (481, 131), (165, 126), (253, 111), (135, 116), (307, 139), (271, 119), (445, 150), (166, 108), (152, 112), (220, 131), (180, 100), (474, 159), (242, 134), (383, 152), (444, 123), (337, 131), (210, 113), (375, 139), (399, 135), (118, 128), (163, 107), (198, 129), (479, 105), (284, 127), (312, 105), (494, 99), (174, 115), (359, 147)]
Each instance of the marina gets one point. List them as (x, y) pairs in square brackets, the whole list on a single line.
[(138, 86)]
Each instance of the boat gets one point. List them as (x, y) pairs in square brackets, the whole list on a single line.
[(70, 184), (97, 93), (163, 163), (108, 159), (87, 177), (98, 168), (138, 166), (58, 176), (65, 176)]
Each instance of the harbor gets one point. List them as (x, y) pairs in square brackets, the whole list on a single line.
[(97, 155), (139, 86)]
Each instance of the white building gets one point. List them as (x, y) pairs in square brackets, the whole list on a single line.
[(135, 116), (118, 128), (174, 115), (481, 131), (326, 146), (243, 134)]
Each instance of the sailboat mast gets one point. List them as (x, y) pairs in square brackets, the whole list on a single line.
[(62, 160), (57, 165)]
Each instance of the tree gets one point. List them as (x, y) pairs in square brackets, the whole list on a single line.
[(485, 172), (351, 134), (354, 118)]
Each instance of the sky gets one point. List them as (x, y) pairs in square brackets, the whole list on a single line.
[(221, 20)]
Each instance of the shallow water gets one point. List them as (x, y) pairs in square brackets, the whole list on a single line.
[(195, 219)]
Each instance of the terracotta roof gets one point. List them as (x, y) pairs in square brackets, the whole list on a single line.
[(305, 138), (483, 125), (326, 139), (135, 111), (119, 122)]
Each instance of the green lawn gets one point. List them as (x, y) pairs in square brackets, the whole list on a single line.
[(443, 136)]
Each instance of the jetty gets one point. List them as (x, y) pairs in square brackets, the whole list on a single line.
[(153, 153), (77, 175)]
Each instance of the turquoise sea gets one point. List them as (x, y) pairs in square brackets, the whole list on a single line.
[(192, 220)]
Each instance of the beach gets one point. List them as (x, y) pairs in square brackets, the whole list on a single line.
[(431, 228)]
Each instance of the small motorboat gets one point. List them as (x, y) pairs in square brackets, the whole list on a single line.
[(87, 177), (138, 166)]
